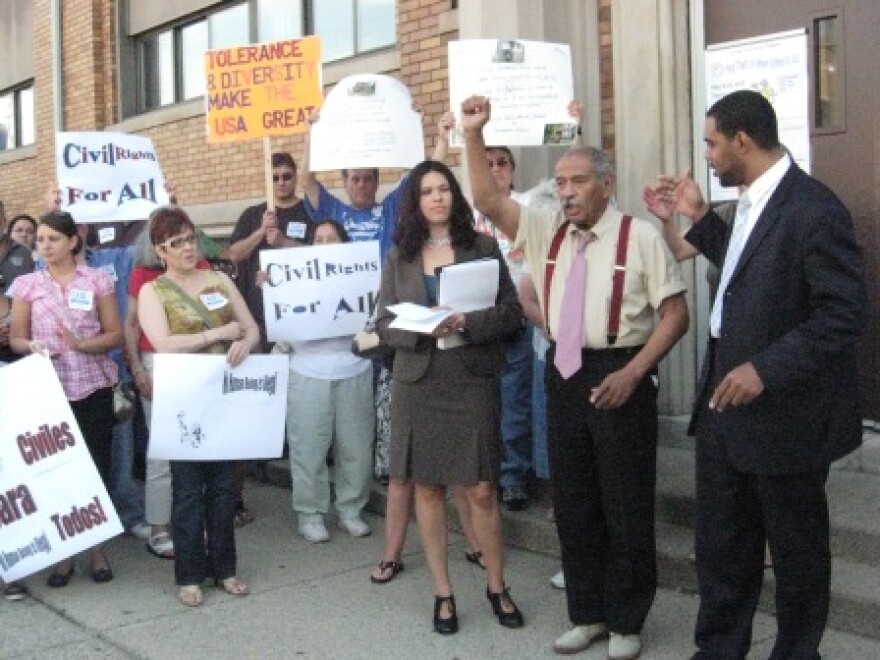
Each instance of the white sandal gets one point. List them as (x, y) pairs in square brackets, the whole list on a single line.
[(190, 595), (161, 545)]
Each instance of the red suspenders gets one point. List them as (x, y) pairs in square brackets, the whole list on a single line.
[(617, 279)]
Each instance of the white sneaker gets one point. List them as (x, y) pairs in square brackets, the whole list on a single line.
[(558, 580), (624, 647), (354, 526), (141, 530), (314, 531), (579, 638)]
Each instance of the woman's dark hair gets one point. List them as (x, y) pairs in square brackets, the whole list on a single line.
[(63, 223), (412, 228), (25, 217), (340, 231), (167, 222)]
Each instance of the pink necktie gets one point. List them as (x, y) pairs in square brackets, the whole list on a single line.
[(570, 331)]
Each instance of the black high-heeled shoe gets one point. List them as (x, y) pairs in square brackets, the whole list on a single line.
[(449, 625), (57, 580), (512, 619)]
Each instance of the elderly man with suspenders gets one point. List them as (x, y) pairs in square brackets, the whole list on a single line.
[(600, 276)]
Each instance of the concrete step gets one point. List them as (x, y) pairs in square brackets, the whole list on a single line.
[(855, 534)]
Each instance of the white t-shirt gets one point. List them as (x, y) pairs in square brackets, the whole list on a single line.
[(327, 359)]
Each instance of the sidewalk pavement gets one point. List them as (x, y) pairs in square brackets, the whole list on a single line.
[(316, 602)]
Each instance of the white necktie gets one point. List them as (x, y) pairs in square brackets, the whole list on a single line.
[(734, 249)]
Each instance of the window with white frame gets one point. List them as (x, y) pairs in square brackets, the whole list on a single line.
[(169, 59), (17, 117)]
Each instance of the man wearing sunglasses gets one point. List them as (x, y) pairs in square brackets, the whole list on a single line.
[(363, 217), (261, 229)]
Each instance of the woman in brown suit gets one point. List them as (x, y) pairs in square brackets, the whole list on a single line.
[(444, 406)]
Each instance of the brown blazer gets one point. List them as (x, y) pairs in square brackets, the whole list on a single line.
[(484, 353)]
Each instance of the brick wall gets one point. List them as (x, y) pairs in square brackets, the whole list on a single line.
[(207, 173)]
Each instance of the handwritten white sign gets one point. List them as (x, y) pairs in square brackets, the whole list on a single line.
[(776, 66), (108, 177), (367, 121), (321, 291), (528, 82), (217, 413), (53, 503)]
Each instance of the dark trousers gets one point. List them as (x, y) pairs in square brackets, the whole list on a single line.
[(204, 499), (604, 466), (94, 415), (735, 513)]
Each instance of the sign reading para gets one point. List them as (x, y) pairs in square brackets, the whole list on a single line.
[(53, 504), (262, 90), (108, 177), (321, 291)]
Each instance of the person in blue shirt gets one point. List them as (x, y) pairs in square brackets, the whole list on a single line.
[(363, 218)]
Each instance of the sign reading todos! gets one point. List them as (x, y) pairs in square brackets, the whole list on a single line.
[(262, 90), (53, 504)]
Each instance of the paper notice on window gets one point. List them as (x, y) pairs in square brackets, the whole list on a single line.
[(367, 121), (528, 82)]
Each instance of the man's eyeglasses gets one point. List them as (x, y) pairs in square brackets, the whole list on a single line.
[(180, 241), (287, 176), (500, 163)]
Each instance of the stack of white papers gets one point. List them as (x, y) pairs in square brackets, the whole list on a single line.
[(417, 318), (464, 287)]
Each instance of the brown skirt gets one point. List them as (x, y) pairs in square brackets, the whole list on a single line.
[(444, 427)]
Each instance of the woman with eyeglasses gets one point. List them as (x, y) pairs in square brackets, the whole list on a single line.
[(190, 310), (68, 311)]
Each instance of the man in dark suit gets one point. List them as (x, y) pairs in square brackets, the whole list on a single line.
[(776, 402)]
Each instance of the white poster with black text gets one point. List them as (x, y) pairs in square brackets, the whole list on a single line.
[(53, 503)]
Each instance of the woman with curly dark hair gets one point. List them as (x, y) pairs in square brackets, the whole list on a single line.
[(444, 407)]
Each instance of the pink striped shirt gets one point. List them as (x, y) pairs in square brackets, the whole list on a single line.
[(80, 373)]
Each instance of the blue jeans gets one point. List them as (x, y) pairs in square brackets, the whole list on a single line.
[(539, 418), (516, 412), (127, 498), (204, 498)]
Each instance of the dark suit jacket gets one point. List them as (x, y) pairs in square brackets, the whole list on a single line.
[(484, 353), (794, 308)]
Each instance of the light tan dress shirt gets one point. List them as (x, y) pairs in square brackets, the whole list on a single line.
[(652, 274)]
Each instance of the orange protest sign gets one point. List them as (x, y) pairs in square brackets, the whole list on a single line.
[(262, 90)]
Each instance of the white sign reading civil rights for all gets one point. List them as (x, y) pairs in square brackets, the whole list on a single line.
[(528, 82), (108, 177), (321, 291), (776, 66), (367, 121), (53, 504), (214, 412)]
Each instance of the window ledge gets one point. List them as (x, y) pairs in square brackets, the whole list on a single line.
[(19, 153), (382, 61), (161, 116)]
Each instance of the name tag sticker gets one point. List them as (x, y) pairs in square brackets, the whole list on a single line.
[(84, 301), (106, 234), (214, 301), (296, 230)]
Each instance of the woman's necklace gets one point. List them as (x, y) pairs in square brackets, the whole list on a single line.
[(438, 243)]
